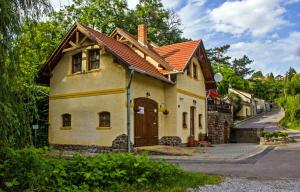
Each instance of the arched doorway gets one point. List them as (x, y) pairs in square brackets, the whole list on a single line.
[(226, 131), (145, 122)]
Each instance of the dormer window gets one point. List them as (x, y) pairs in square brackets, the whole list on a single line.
[(94, 59), (76, 62)]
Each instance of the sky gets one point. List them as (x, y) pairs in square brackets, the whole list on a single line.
[(267, 31)]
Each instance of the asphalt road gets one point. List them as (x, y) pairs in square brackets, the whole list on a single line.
[(268, 121), (279, 162)]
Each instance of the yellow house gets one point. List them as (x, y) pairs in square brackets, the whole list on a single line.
[(248, 103), (105, 87)]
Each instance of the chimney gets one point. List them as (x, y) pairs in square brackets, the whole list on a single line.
[(142, 34)]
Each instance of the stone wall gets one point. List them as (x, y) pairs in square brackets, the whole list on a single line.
[(246, 135), (170, 140), (217, 122)]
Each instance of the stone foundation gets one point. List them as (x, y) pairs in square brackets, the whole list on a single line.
[(170, 140), (83, 148), (121, 143), (118, 145), (217, 121)]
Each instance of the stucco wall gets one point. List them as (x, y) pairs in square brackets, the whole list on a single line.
[(189, 90), (84, 96)]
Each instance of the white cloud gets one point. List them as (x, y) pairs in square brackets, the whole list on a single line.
[(253, 16), (194, 18), (271, 56)]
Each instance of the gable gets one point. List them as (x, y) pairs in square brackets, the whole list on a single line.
[(121, 52)]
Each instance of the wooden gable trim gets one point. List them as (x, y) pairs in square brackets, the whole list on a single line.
[(141, 48)]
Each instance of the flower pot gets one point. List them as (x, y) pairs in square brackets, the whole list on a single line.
[(191, 141)]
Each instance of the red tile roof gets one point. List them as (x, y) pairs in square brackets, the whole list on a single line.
[(178, 54), (126, 54)]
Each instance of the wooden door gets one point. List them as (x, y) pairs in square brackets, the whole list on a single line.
[(145, 122), (192, 121), (226, 132)]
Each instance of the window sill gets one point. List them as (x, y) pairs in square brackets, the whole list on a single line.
[(73, 74), (93, 70), (100, 128), (65, 128)]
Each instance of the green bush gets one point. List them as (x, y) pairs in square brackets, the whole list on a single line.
[(274, 134), (32, 170)]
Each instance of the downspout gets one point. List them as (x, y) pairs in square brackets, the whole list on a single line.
[(128, 110), (206, 114)]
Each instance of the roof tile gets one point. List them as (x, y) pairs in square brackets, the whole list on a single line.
[(178, 54)]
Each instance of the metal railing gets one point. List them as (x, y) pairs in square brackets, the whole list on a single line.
[(217, 105)]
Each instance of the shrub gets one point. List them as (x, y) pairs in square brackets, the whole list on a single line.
[(274, 134), (32, 170)]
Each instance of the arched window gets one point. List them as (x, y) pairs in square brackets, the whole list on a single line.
[(66, 120), (104, 119)]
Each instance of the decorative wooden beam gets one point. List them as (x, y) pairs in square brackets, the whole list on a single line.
[(78, 47), (82, 40), (73, 44)]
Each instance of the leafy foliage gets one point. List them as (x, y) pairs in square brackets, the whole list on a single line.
[(32, 170), (236, 102), (274, 134), (17, 102)]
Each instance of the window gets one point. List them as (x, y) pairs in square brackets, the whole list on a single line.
[(76, 62), (199, 120), (66, 120), (104, 119), (94, 59), (195, 71), (184, 116)]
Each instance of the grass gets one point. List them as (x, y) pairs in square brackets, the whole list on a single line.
[(169, 150)]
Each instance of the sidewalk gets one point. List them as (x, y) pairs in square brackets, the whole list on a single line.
[(220, 152)]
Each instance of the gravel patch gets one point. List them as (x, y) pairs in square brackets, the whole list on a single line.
[(252, 185)]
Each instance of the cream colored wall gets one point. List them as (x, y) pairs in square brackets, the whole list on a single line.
[(185, 101), (84, 110), (63, 81), (242, 112), (188, 83)]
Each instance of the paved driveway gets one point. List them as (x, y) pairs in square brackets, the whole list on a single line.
[(280, 162), (268, 121)]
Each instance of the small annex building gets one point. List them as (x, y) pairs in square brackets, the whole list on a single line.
[(100, 85), (248, 108)]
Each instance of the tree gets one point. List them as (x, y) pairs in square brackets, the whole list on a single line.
[(16, 101), (217, 55), (257, 75), (163, 25), (270, 76), (291, 72), (240, 66), (106, 15)]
